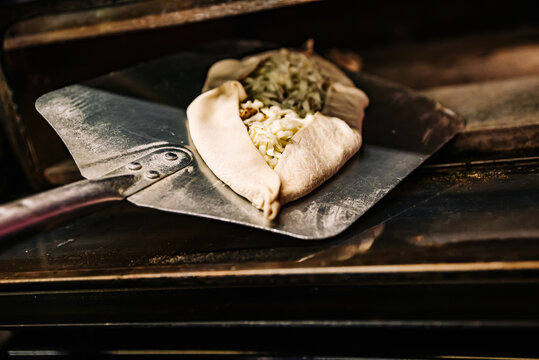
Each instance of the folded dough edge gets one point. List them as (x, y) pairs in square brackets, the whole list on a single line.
[(315, 153), (221, 139)]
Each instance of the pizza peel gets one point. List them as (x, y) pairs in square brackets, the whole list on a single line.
[(128, 134)]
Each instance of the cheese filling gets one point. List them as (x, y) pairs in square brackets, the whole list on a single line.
[(283, 93), (271, 128)]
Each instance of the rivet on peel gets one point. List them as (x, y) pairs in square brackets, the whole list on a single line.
[(152, 174), (134, 166), (171, 156)]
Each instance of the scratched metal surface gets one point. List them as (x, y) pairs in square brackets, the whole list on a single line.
[(481, 216), (107, 122)]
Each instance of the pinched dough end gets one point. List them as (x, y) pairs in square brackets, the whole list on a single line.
[(347, 103), (222, 141)]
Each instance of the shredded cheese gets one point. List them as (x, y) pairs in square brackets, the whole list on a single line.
[(271, 128), (283, 93)]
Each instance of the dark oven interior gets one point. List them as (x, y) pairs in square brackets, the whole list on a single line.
[(450, 253)]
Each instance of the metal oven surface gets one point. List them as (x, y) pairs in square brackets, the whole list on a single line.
[(460, 227)]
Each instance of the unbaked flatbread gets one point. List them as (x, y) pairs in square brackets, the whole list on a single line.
[(314, 154)]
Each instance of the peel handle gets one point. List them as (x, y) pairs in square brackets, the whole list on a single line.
[(26, 213)]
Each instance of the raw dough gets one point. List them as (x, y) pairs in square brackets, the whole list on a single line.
[(315, 153)]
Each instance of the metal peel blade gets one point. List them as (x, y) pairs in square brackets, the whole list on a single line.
[(113, 120)]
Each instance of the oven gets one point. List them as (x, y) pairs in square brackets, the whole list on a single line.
[(443, 265)]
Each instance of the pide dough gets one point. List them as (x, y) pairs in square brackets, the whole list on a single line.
[(316, 125)]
